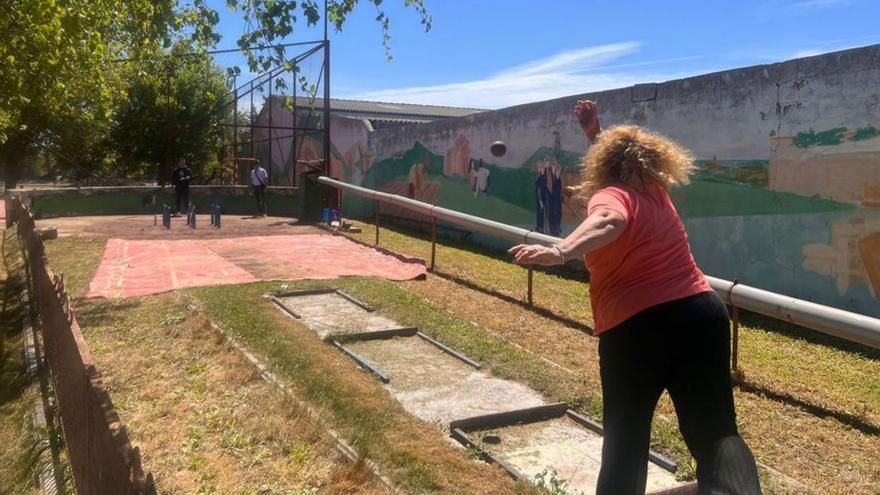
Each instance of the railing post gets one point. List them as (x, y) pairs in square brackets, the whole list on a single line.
[(376, 215), (433, 241), (734, 355), (531, 272)]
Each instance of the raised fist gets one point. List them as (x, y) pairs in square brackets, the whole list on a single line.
[(586, 112)]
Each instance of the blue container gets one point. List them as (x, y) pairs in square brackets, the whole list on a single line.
[(325, 215)]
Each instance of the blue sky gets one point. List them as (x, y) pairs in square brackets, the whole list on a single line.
[(497, 53)]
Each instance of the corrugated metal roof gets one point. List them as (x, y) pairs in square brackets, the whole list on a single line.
[(385, 108)]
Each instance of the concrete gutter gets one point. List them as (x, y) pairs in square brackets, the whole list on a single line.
[(826, 319)]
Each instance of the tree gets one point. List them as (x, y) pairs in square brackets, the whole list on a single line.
[(55, 64), (171, 111), (59, 59)]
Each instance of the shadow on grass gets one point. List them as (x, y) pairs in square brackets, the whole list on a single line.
[(747, 318), (13, 379), (853, 421), (101, 311), (798, 332), (544, 312)]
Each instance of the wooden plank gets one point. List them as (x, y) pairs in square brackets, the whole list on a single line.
[(509, 418), (377, 335), (305, 292), (363, 362), (688, 489), (449, 351), (658, 459), (487, 456), (285, 308), (354, 300)]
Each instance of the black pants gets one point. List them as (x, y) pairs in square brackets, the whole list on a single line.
[(182, 196), (684, 347), (260, 196)]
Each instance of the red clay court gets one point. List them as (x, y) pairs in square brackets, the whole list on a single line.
[(141, 259), (140, 267)]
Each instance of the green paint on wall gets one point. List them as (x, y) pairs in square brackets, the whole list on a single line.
[(455, 194), (706, 197), (830, 137), (755, 173), (515, 186), (863, 133)]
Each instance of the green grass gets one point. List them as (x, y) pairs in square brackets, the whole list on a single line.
[(820, 370), (376, 425), (498, 356), (18, 452), (827, 377)]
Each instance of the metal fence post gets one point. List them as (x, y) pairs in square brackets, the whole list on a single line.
[(531, 272), (433, 241), (735, 337), (376, 213)]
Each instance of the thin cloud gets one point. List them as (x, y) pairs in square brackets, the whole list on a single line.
[(566, 73), (818, 4), (774, 9)]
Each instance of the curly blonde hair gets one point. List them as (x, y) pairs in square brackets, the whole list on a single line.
[(631, 155)]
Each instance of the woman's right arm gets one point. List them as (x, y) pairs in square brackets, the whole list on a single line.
[(586, 112)]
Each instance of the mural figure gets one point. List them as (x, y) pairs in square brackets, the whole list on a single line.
[(541, 198), (548, 191), (416, 171), (458, 158), (481, 179)]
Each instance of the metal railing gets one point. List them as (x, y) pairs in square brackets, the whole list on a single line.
[(832, 321)]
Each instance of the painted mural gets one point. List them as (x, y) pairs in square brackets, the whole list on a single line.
[(791, 205), (769, 221)]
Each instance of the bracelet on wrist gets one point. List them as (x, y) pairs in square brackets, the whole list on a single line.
[(560, 253)]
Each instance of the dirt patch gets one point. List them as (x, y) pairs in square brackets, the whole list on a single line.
[(437, 387), (573, 451)]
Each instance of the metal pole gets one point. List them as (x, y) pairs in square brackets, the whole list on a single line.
[(376, 215), (326, 95), (253, 110), (271, 131), (531, 273), (433, 241), (735, 350), (235, 130), (293, 141), (167, 171), (833, 321)]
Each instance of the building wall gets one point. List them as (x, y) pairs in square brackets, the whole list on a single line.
[(787, 196)]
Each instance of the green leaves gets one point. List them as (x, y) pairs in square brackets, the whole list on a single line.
[(70, 70)]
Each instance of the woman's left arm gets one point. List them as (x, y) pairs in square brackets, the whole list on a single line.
[(602, 227)]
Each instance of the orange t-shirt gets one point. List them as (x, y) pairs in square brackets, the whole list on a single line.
[(649, 264)]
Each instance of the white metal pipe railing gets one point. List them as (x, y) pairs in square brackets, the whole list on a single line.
[(833, 321)]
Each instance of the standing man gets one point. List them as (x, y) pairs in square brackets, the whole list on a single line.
[(258, 180), (180, 179)]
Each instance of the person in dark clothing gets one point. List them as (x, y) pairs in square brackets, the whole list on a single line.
[(180, 179)]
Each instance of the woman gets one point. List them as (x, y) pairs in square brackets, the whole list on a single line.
[(660, 324)]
